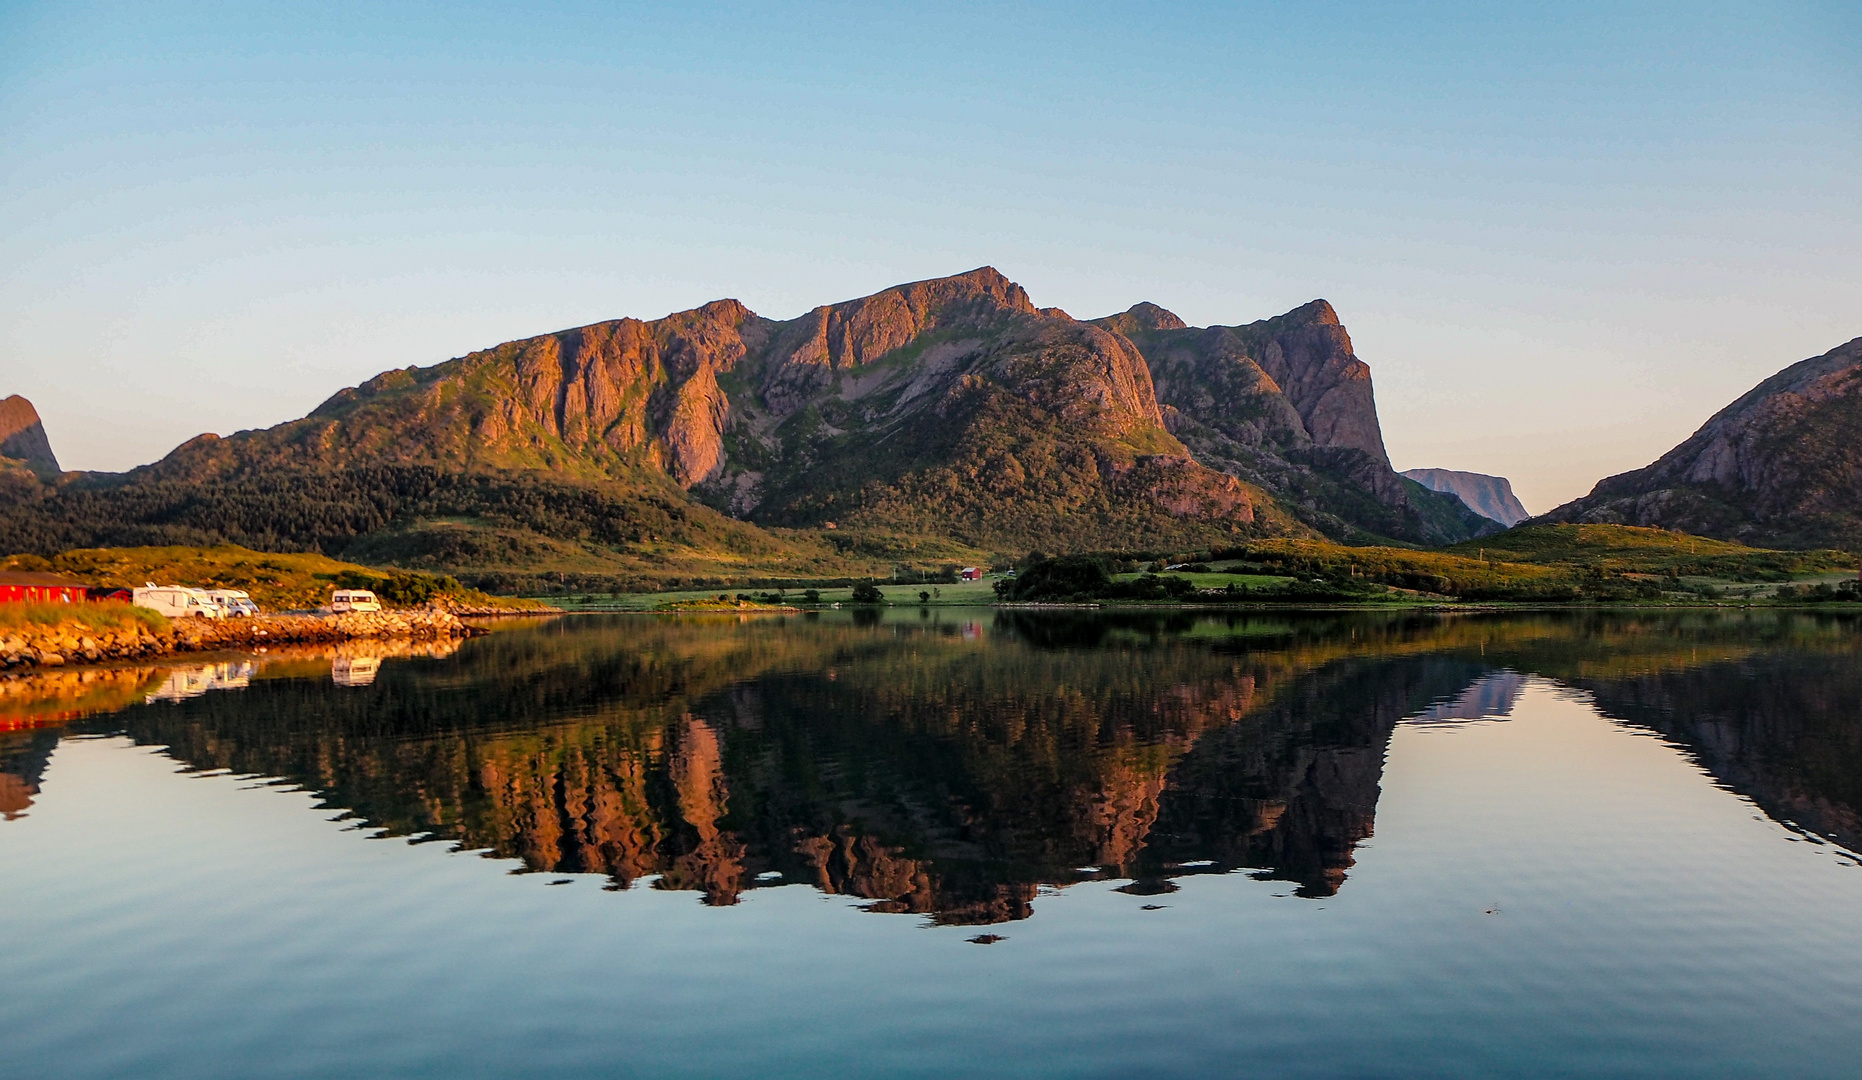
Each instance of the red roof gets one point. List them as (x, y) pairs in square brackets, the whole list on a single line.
[(34, 578)]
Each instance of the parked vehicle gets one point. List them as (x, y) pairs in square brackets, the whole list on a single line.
[(235, 603), (354, 670), (176, 601), (354, 600)]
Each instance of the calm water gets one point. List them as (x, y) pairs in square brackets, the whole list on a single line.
[(964, 843)]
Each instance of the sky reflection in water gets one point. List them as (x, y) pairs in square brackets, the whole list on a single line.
[(1271, 845)]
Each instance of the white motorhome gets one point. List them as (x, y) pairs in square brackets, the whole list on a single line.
[(176, 601), (192, 682), (354, 670), (354, 600), (234, 602)]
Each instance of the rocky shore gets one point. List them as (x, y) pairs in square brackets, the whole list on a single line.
[(60, 644)]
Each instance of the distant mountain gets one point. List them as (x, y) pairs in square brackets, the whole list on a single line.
[(1286, 405), (22, 436), (1780, 467), (1489, 496), (944, 418)]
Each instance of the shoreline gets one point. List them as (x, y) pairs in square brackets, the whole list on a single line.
[(54, 645), (1838, 607)]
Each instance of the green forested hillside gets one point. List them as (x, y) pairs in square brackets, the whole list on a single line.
[(510, 531)]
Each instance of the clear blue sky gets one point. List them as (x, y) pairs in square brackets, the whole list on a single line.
[(1562, 235)]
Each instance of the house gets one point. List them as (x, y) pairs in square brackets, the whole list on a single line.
[(971, 573), (31, 587)]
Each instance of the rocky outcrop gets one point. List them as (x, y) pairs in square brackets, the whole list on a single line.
[(1489, 496), (599, 401), (22, 436), (1780, 467)]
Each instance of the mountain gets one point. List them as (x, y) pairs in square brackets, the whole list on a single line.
[(939, 420), (1285, 404), (952, 407), (22, 436), (1489, 496), (1780, 467)]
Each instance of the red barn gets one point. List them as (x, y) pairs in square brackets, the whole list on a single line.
[(24, 587)]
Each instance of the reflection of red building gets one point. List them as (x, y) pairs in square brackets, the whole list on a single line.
[(18, 586)]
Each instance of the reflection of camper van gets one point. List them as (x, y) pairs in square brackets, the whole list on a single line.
[(176, 601), (234, 603), (354, 670), (354, 600), (190, 682)]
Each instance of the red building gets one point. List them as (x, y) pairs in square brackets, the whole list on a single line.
[(24, 587)]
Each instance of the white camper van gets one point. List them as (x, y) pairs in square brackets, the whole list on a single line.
[(354, 670), (354, 600), (234, 603), (176, 601)]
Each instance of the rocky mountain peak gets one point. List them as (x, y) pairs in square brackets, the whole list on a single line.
[(1141, 317), (839, 337), (1316, 313), (22, 435)]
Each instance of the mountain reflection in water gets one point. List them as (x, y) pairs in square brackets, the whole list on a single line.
[(949, 765)]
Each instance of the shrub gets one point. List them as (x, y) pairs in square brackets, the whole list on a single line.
[(868, 593), (1070, 577)]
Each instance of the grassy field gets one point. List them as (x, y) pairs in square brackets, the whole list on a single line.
[(1629, 549), (1557, 563), (93, 617), (1539, 564)]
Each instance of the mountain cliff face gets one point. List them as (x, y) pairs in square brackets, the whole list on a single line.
[(955, 406), (952, 409), (1489, 496), (1286, 404), (1780, 467), (22, 436)]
